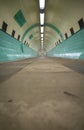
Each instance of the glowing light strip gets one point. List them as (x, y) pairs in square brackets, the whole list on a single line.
[(41, 18), (77, 54), (41, 38), (41, 35), (42, 7), (42, 4), (42, 29)]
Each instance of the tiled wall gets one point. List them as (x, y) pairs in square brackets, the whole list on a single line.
[(12, 49), (73, 47)]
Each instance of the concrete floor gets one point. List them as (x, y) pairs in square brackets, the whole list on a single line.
[(42, 94)]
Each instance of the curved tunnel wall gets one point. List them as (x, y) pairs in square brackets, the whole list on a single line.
[(73, 47), (11, 49), (46, 24), (23, 14)]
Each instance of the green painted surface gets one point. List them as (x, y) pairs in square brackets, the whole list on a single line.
[(19, 18), (31, 36), (46, 24), (29, 29), (73, 47), (12, 49)]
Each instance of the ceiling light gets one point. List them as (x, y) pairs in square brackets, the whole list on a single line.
[(41, 18), (41, 4), (42, 29), (41, 38), (41, 35)]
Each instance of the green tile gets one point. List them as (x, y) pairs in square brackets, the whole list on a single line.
[(19, 18), (31, 36)]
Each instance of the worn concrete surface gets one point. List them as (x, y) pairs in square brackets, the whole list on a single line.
[(42, 94)]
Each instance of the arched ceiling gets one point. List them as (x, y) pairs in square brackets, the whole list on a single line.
[(60, 16)]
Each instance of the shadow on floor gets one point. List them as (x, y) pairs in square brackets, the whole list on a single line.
[(10, 68), (76, 66)]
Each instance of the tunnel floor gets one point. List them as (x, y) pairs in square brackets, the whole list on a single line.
[(42, 94)]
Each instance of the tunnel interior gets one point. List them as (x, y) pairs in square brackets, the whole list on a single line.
[(41, 28), (41, 64)]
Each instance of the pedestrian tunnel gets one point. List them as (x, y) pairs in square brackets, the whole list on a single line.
[(41, 28)]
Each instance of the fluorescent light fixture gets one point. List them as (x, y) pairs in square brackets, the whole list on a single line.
[(42, 29), (42, 4), (42, 7), (42, 41), (41, 35), (41, 18), (41, 38)]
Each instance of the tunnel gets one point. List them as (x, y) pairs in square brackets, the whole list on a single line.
[(41, 64)]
